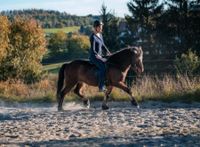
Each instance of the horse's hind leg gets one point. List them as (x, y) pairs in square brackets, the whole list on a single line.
[(78, 91), (67, 88), (106, 97)]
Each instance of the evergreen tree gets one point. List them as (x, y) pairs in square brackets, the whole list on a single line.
[(142, 22), (185, 24), (110, 29)]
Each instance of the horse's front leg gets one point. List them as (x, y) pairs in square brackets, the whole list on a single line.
[(125, 88), (106, 97)]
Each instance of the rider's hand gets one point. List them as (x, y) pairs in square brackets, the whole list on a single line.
[(109, 53), (104, 59), (98, 57)]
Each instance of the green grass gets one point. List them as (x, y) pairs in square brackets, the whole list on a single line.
[(65, 29)]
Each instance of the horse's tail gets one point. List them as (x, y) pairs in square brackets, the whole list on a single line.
[(60, 82)]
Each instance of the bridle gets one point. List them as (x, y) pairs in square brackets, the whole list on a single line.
[(135, 51)]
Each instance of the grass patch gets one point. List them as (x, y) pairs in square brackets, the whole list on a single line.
[(187, 97), (167, 89), (65, 29), (43, 91)]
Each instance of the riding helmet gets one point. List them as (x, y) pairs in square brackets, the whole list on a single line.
[(97, 23)]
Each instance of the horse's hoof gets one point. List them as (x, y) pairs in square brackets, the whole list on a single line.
[(134, 103), (86, 103), (60, 109), (105, 107)]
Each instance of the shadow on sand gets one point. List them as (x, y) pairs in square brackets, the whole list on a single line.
[(116, 141)]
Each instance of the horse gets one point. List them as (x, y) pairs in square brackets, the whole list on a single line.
[(79, 72)]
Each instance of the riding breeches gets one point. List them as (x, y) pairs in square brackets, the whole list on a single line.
[(102, 71)]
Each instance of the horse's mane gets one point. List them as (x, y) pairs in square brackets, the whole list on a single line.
[(122, 53)]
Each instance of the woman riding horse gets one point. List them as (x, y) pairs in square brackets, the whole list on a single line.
[(96, 53), (78, 72)]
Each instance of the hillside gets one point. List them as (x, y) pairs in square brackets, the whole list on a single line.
[(65, 29), (51, 18)]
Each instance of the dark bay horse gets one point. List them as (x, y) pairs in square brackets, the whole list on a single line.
[(78, 72)]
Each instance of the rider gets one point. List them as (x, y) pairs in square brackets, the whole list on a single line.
[(96, 53)]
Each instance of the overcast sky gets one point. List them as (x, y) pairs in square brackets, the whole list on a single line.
[(77, 7)]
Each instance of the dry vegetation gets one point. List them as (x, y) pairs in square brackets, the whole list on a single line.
[(168, 88), (181, 88)]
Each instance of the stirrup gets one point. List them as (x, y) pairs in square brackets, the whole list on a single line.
[(103, 89)]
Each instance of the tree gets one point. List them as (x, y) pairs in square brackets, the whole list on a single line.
[(110, 29), (49, 18), (142, 22), (188, 63), (86, 30), (57, 43), (26, 48), (78, 45), (185, 25), (4, 40)]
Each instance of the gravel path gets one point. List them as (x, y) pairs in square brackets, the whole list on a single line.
[(154, 124)]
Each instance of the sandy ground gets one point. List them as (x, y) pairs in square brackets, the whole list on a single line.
[(154, 124)]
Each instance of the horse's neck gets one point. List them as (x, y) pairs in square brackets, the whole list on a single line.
[(120, 60)]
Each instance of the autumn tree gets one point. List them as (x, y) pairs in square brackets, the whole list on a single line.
[(78, 45), (26, 48), (57, 43), (4, 40)]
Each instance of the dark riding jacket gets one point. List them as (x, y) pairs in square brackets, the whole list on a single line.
[(97, 47)]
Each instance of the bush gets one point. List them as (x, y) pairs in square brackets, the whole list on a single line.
[(188, 63), (57, 43), (64, 47), (27, 46), (4, 31), (78, 45)]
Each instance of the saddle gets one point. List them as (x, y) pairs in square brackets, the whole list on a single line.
[(95, 70)]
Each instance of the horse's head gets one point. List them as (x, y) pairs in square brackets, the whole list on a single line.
[(137, 60)]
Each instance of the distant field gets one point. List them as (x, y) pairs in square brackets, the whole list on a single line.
[(65, 29)]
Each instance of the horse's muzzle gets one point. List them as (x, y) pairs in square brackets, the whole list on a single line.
[(138, 70)]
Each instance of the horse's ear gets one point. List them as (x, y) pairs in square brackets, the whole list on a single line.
[(140, 50), (135, 50)]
